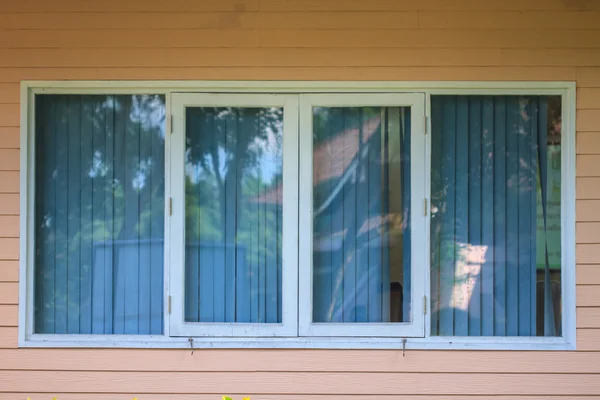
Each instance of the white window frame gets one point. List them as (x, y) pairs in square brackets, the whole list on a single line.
[(178, 325), (567, 91), (416, 327)]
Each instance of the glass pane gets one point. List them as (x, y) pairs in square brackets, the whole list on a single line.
[(361, 200), (233, 170), (99, 214), (495, 216)]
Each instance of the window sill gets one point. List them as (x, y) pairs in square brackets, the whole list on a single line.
[(431, 343)]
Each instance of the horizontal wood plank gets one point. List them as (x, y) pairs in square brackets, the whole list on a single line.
[(588, 339), (9, 137), (9, 181), (9, 293), (588, 77), (9, 248), (104, 6), (301, 361), (587, 253), (9, 271), (425, 5), (533, 20), (588, 210), (296, 57), (588, 98), (588, 296), (9, 225), (157, 396), (8, 316), (288, 38), (9, 159), (9, 204), (292, 73), (588, 165), (8, 337), (9, 115), (588, 143), (588, 274), (588, 317), (588, 188), (210, 20), (300, 383)]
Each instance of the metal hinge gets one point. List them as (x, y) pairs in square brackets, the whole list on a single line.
[(425, 118), (169, 305), (425, 305), (425, 207), (170, 206), (170, 118)]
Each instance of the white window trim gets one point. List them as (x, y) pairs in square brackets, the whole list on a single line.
[(289, 325), (415, 328), (567, 90)]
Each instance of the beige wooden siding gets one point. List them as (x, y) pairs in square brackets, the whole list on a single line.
[(304, 40)]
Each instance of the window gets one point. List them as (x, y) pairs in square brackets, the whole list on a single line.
[(375, 216)]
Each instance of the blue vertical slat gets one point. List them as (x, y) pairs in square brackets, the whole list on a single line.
[(447, 235), (474, 214), (461, 218), (229, 290), (145, 212), (132, 212), (512, 216), (364, 295), (157, 229), (500, 216), (321, 273), (243, 264), (206, 289), (536, 113), (46, 222), (109, 216), (406, 215), (62, 217), (335, 309), (344, 260), (192, 259), (261, 231), (71, 116), (88, 130), (279, 217), (527, 185), (217, 138), (120, 223), (96, 161), (487, 217), (437, 203)]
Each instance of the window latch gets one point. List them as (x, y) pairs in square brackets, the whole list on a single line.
[(403, 347), (191, 340)]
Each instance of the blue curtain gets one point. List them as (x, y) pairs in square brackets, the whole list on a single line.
[(99, 214), (358, 227), (233, 215), (489, 176)]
